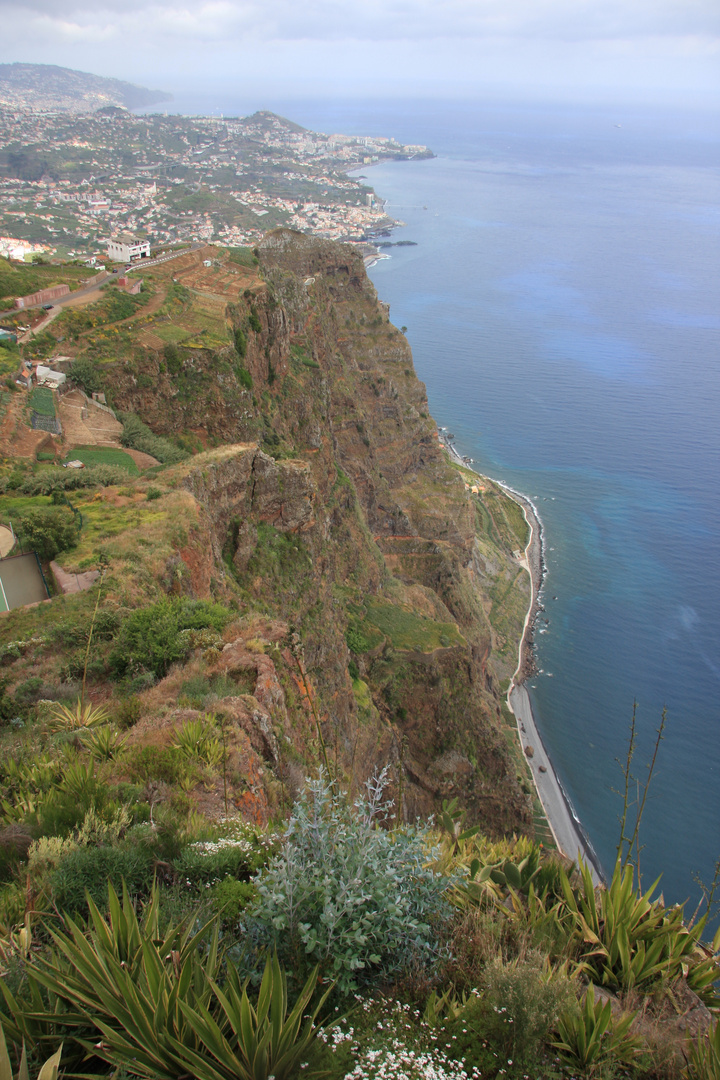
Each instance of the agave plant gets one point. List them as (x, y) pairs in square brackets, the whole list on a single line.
[(589, 1038), (48, 1071), (19, 808), (153, 1003), (498, 880), (195, 740), (444, 1006), (450, 821), (81, 715), (254, 1042), (104, 744), (630, 940), (704, 1056), (117, 974), (79, 780)]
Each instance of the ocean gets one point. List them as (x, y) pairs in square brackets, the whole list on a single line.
[(562, 306)]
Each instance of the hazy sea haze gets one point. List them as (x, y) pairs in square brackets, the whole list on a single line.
[(563, 308)]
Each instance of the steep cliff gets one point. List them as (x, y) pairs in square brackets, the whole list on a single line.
[(335, 511)]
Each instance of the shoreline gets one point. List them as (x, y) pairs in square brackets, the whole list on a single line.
[(567, 830)]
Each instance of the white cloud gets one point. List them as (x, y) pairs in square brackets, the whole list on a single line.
[(356, 46), (382, 20), (68, 31)]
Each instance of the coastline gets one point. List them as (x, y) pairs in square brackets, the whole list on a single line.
[(566, 828)]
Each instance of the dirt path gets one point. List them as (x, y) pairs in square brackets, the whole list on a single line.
[(84, 300)]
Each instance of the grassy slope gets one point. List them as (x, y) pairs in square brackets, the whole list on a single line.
[(21, 279)]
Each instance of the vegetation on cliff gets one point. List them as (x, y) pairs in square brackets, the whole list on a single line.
[(301, 485), (294, 581)]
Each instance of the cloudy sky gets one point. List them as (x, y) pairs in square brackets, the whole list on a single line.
[(665, 50)]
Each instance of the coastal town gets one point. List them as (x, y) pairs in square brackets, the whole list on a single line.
[(71, 183)]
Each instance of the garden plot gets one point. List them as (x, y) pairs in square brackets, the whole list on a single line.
[(85, 424), (103, 455)]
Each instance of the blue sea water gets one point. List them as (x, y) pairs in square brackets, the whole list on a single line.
[(563, 307)]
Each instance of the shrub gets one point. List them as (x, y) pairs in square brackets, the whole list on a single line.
[(154, 763), (357, 642), (153, 493), (348, 895), (127, 711), (49, 480), (243, 256), (240, 343), (88, 375), (62, 812), (151, 638), (173, 359), (231, 898), (237, 856), (526, 996), (94, 868), (199, 691), (28, 692), (47, 532), (138, 435), (243, 376)]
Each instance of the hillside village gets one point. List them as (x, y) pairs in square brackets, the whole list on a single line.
[(69, 183)]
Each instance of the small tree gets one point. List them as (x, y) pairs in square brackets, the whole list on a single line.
[(87, 374), (48, 532)]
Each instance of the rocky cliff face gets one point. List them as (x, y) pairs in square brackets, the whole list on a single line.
[(332, 512)]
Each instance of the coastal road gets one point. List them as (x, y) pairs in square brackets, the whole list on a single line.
[(568, 836)]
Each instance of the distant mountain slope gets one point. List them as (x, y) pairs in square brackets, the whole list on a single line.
[(45, 86)]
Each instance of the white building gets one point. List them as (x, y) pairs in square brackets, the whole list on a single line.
[(128, 249), (47, 377)]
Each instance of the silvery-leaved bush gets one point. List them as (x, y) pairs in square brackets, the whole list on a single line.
[(345, 893)]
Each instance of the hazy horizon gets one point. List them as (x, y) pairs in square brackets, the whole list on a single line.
[(601, 51)]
